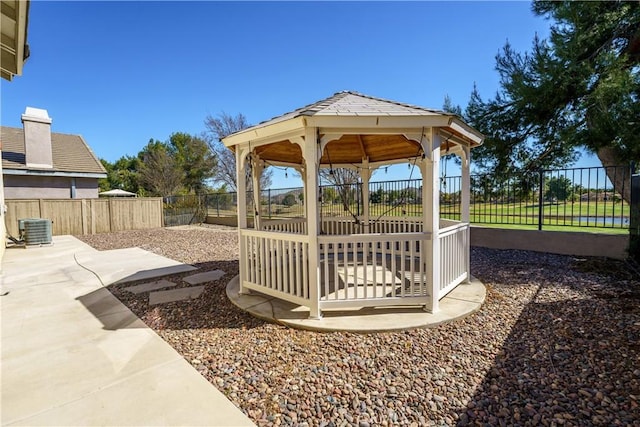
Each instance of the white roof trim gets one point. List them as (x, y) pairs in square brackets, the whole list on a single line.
[(466, 130), (30, 172), (271, 133)]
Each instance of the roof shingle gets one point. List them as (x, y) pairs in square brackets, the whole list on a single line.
[(70, 152), (356, 104)]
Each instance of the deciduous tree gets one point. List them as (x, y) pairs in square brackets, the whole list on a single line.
[(344, 180), (160, 174), (219, 127), (559, 188)]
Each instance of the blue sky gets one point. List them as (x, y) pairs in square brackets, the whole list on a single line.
[(120, 73)]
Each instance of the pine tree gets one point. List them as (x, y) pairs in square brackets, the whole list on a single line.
[(579, 89)]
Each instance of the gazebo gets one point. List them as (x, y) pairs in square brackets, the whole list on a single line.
[(361, 261)]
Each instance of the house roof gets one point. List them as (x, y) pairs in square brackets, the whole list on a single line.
[(71, 154), (354, 128)]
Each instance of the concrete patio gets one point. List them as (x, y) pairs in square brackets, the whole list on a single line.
[(73, 354)]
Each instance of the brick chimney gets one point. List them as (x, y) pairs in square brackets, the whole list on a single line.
[(37, 138)]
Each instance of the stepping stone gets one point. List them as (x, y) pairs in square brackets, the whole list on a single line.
[(208, 276), (181, 294), (151, 286)]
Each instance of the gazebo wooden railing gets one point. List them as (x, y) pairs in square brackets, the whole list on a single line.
[(356, 269)]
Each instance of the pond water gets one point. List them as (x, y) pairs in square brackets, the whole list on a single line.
[(601, 221)]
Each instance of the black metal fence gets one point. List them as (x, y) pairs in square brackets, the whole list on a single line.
[(183, 210), (577, 197)]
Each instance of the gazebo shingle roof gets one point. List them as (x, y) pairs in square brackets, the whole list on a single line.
[(356, 104), (356, 127)]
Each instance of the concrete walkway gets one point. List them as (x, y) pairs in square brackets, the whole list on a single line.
[(73, 355), (465, 299)]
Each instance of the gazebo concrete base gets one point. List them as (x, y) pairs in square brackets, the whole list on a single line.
[(465, 299)]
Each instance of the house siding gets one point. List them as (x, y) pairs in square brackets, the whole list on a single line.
[(47, 187)]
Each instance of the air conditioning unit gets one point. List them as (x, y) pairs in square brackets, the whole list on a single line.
[(35, 231)]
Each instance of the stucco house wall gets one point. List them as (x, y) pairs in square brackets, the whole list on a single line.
[(48, 187)]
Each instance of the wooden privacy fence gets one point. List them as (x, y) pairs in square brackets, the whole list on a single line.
[(87, 216)]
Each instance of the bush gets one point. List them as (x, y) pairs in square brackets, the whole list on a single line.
[(289, 200)]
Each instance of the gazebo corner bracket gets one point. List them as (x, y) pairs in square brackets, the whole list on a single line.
[(326, 138)]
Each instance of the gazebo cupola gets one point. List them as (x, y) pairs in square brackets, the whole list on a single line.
[(327, 263)]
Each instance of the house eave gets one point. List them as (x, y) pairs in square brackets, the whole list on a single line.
[(15, 50), (31, 172)]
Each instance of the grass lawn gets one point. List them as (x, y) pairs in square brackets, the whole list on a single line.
[(605, 230)]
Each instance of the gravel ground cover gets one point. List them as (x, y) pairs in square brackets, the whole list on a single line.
[(556, 343)]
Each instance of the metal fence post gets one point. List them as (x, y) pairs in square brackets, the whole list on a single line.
[(269, 202), (218, 204), (634, 218), (540, 199)]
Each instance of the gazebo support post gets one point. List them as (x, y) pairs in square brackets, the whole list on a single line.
[(465, 202), (242, 213), (430, 168), (305, 204), (365, 175), (310, 155), (256, 170)]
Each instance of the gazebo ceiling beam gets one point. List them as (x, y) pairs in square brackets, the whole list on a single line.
[(364, 151)]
